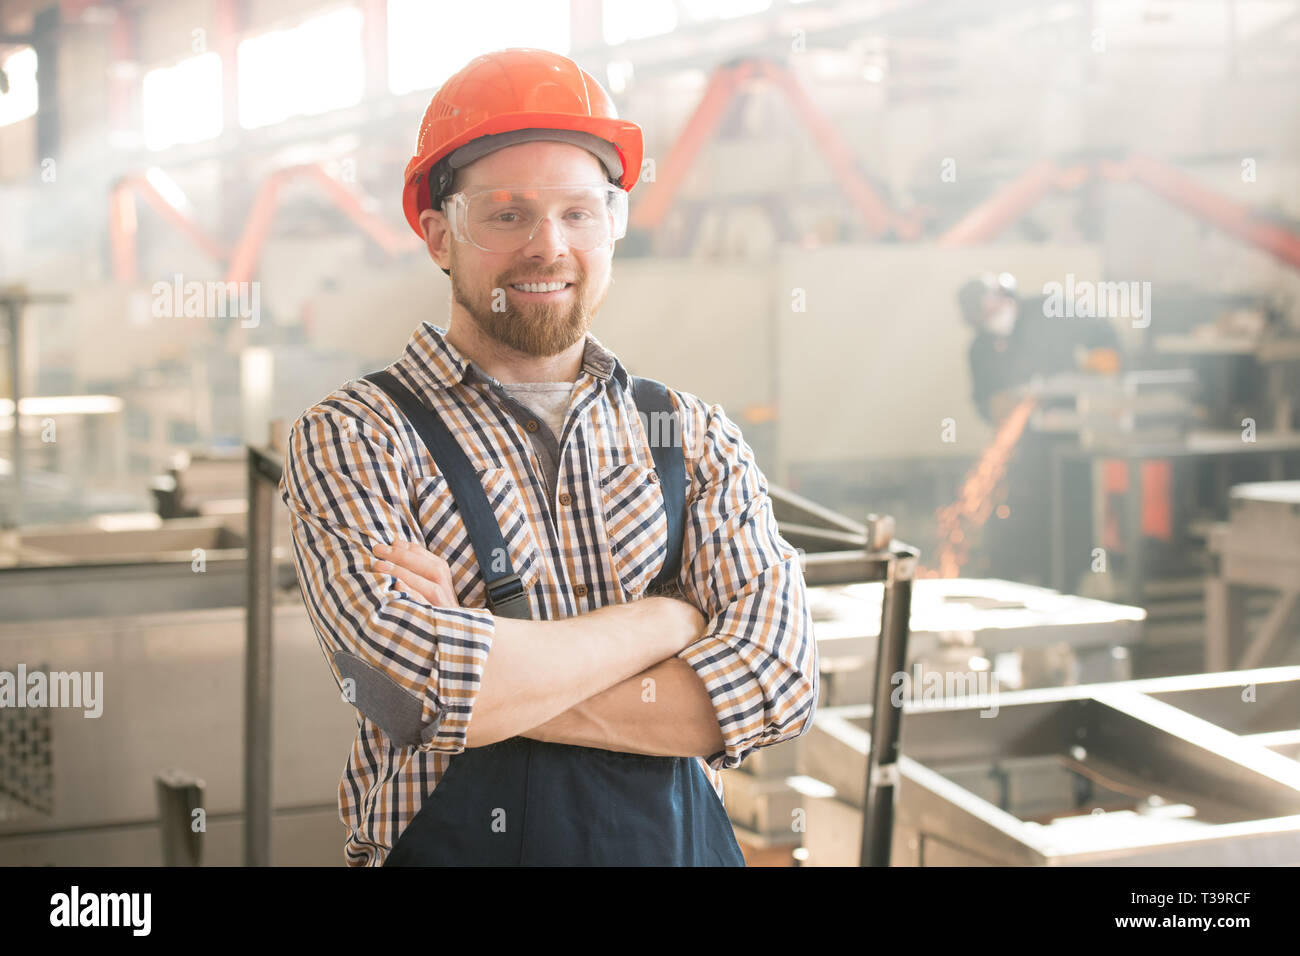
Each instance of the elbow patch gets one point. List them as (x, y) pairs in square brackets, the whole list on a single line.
[(384, 702)]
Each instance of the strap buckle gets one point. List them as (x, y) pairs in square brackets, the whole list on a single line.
[(507, 598)]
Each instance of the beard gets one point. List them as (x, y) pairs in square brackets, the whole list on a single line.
[(535, 328)]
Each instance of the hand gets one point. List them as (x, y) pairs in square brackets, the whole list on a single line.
[(1001, 404), (420, 570), (1102, 361), (686, 619)]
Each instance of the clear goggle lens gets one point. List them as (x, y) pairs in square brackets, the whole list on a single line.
[(506, 218)]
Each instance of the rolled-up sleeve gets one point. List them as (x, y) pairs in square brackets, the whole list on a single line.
[(411, 668), (757, 658)]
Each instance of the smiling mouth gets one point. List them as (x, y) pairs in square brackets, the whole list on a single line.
[(541, 288)]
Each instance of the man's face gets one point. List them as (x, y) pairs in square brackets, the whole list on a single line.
[(482, 283), (999, 313)]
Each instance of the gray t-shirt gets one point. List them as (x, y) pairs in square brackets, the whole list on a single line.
[(550, 402)]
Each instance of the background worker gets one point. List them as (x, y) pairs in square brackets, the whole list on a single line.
[(1015, 342)]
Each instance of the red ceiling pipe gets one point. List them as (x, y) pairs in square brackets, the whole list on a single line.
[(723, 85), (257, 226), (1004, 207), (1235, 218), (123, 225)]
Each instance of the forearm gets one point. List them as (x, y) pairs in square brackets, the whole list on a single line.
[(540, 669), (664, 711)]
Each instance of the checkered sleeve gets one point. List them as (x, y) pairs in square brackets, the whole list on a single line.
[(757, 658), (412, 669)]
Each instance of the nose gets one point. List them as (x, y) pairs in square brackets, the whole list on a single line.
[(546, 241)]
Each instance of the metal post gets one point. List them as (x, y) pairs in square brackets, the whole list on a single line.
[(1057, 560), (886, 720), (14, 308), (263, 476), (1134, 534), (179, 795), (15, 299)]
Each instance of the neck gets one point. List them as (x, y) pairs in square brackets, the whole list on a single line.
[(509, 366)]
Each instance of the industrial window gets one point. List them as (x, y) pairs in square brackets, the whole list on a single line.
[(182, 103), (312, 68), (723, 9), (635, 21), (425, 46)]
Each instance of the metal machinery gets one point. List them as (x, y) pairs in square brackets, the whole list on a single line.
[(1257, 547), (85, 790), (1023, 635), (1198, 770), (158, 612), (1154, 480), (1171, 491), (189, 555)]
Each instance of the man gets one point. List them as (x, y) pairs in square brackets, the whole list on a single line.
[(1015, 342), (593, 733)]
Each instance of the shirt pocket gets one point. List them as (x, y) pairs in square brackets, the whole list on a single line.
[(636, 524), (445, 533)]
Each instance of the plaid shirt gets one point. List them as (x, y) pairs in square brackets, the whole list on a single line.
[(356, 473)]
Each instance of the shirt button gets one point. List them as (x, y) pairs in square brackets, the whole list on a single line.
[(654, 476), (531, 426), (580, 590), (565, 497)]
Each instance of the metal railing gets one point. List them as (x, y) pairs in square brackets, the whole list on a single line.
[(897, 568), (265, 465)]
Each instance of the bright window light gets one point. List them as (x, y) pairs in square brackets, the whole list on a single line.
[(20, 102), (619, 73), (182, 103), (723, 9), (635, 21), (426, 44), (312, 68), (167, 187)]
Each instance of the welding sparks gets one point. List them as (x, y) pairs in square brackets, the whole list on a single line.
[(978, 497)]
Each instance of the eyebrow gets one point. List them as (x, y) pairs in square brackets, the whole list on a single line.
[(512, 191)]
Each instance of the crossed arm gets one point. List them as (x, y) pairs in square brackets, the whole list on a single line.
[(748, 679), (663, 710)]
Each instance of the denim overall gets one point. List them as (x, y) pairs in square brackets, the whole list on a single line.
[(527, 802)]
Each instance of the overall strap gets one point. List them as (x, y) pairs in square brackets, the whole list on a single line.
[(652, 397), (506, 595)]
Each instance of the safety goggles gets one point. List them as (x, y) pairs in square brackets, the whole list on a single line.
[(506, 218)]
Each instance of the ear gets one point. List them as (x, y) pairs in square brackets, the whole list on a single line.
[(437, 237)]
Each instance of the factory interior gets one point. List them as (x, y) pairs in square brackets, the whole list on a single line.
[(1003, 295)]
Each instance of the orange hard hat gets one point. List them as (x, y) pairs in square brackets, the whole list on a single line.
[(513, 96)]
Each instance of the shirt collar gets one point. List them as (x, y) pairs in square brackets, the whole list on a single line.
[(440, 364)]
